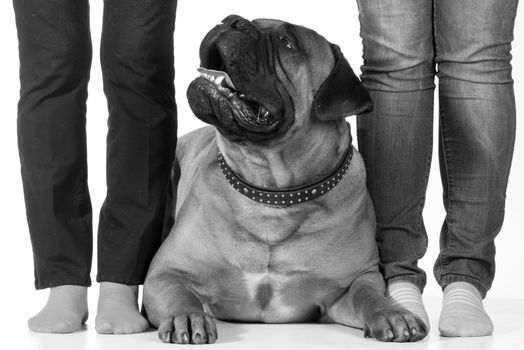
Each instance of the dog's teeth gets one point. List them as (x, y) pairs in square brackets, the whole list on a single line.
[(219, 80), (229, 82), (226, 80)]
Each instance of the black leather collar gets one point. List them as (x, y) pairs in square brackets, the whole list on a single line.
[(290, 196)]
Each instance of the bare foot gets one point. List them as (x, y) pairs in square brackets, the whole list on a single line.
[(64, 312), (462, 313), (118, 310)]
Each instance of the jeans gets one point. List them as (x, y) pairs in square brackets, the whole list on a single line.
[(138, 72), (466, 44)]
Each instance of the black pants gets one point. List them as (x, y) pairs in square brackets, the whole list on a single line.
[(138, 70)]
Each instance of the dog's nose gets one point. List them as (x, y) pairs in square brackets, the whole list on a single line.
[(238, 23)]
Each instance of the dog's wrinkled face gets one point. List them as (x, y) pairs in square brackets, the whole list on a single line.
[(260, 79)]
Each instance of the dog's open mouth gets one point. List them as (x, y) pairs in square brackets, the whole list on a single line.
[(247, 112)]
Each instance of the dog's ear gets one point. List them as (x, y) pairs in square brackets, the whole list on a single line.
[(342, 93)]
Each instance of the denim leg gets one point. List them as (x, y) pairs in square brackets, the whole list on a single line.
[(395, 139), (55, 58), (477, 133), (138, 72)]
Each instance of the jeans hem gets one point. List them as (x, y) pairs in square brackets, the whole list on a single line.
[(86, 282), (417, 281), (371, 88), (447, 279)]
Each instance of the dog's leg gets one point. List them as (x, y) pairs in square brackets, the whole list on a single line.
[(365, 305), (176, 311)]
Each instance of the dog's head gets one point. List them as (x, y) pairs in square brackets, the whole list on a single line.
[(261, 80)]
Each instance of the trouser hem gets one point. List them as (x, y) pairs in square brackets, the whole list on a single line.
[(121, 279), (446, 280), (417, 281), (86, 282)]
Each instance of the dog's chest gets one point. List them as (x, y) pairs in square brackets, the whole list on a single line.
[(280, 291), (289, 281), (255, 265)]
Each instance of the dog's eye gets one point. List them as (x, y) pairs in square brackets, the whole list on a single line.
[(285, 41)]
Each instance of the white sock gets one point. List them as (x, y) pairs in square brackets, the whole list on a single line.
[(408, 296), (463, 313)]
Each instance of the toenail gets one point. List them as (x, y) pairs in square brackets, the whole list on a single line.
[(185, 338), (366, 333)]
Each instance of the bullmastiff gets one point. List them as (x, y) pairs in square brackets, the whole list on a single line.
[(272, 220)]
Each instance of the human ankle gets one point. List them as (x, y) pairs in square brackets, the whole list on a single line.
[(65, 310)]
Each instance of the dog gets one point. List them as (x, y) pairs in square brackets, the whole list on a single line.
[(272, 219)]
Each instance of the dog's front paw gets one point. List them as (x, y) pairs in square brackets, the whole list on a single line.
[(394, 324), (188, 328)]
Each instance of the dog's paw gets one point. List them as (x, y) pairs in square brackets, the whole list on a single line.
[(397, 325), (188, 328)]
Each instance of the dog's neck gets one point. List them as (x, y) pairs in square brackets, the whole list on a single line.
[(309, 155)]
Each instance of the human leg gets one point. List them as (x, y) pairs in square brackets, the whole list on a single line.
[(55, 58), (477, 133), (138, 71), (395, 139)]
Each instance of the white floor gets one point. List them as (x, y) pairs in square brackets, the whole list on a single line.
[(508, 317)]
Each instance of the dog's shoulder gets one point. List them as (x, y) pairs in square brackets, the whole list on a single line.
[(193, 151)]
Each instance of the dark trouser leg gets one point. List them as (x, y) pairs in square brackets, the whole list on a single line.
[(477, 133), (395, 139), (138, 71), (55, 58)]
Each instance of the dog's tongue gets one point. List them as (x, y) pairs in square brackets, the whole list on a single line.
[(217, 76)]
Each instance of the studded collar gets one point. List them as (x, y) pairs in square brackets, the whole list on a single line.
[(293, 195)]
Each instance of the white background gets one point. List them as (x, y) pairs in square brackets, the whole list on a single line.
[(336, 20)]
